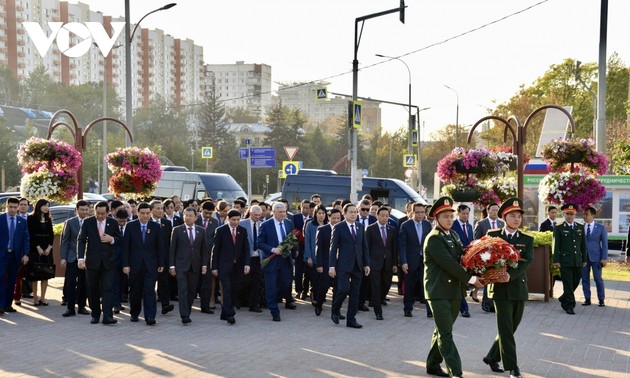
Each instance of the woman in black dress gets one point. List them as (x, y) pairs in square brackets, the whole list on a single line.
[(41, 236)]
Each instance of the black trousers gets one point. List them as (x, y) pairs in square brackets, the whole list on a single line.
[(100, 282), (348, 285), (164, 291), (187, 283)]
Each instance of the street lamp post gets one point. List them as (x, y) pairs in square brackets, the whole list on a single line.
[(420, 150), (128, 39), (456, 116), (352, 153)]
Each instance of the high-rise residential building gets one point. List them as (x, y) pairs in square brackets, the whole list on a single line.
[(303, 96), (162, 65), (241, 85)]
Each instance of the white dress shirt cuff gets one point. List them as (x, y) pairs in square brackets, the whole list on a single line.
[(473, 279)]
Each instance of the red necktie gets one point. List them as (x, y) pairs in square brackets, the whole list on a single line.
[(234, 236)]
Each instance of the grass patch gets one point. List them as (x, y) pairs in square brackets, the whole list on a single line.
[(616, 271)]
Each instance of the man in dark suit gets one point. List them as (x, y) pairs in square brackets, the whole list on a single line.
[(444, 282), (465, 232), (167, 284), (74, 280), (596, 256), (277, 272), (121, 280), (383, 247), (230, 260), (569, 254), (550, 223), (322, 249), (95, 246), (209, 224), (14, 249), (143, 257), (510, 294), (349, 260), (189, 258), (491, 222), (400, 274), (252, 225), (302, 277), (410, 248), (365, 219)]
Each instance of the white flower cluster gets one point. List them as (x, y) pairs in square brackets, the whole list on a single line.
[(549, 186), (38, 185)]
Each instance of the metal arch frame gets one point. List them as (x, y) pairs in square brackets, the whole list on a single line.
[(518, 132), (79, 136)]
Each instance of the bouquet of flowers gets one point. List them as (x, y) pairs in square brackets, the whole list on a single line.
[(567, 187), (561, 152), (290, 241), (490, 257), (136, 171)]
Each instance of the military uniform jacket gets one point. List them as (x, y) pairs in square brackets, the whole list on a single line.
[(444, 277), (569, 245), (516, 288)]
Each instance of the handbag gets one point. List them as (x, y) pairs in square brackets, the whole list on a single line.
[(39, 271)]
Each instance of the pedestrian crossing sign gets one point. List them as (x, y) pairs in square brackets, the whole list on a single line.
[(356, 115), (206, 152), (322, 93), (409, 160)]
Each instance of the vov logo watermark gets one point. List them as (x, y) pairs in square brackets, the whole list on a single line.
[(89, 32)]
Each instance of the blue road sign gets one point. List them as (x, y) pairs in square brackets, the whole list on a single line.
[(409, 160), (206, 152), (263, 162), (322, 93), (248, 141), (364, 172), (258, 152), (290, 168), (414, 138)]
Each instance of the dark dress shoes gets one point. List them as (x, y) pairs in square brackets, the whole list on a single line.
[(494, 366), (290, 306), (230, 319), (186, 320), (408, 314), (68, 313), (601, 304), (363, 307), (341, 317), (255, 309), (167, 309), (83, 311), (429, 314), (335, 318), (379, 317), (207, 311), (516, 373), (437, 372), (354, 325), (384, 303), (570, 311), (587, 302), (94, 321), (134, 319), (110, 321), (150, 322), (465, 314), (318, 311), (276, 318), (9, 309)]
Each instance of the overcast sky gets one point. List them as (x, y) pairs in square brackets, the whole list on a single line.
[(311, 40)]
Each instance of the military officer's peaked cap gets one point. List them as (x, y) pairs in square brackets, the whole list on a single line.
[(510, 205), (569, 208), (441, 205)]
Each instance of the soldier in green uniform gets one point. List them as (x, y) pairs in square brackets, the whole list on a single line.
[(509, 297), (444, 287), (569, 254)]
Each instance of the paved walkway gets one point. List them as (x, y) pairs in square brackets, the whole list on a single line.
[(39, 342)]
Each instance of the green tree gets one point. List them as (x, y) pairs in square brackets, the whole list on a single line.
[(240, 114), (9, 87)]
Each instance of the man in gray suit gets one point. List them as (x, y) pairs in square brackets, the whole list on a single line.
[(189, 258), (596, 256), (482, 227), (74, 280)]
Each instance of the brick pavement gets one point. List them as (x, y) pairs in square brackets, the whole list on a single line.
[(39, 342)]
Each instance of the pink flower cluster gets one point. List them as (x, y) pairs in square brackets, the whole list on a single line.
[(133, 164), (485, 164)]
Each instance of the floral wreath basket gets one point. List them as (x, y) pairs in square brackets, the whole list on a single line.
[(490, 257), (135, 171)]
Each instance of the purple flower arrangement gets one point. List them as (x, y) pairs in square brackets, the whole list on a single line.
[(50, 170), (560, 153), (135, 171), (578, 188)]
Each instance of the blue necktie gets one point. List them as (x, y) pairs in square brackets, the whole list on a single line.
[(283, 233), (11, 231), (588, 231), (144, 232)]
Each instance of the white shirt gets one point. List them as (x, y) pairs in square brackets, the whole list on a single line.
[(278, 232)]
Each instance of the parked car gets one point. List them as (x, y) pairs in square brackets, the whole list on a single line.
[(62, 213), (89, 197)]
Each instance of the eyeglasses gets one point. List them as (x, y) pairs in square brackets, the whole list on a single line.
[(363, 209)]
